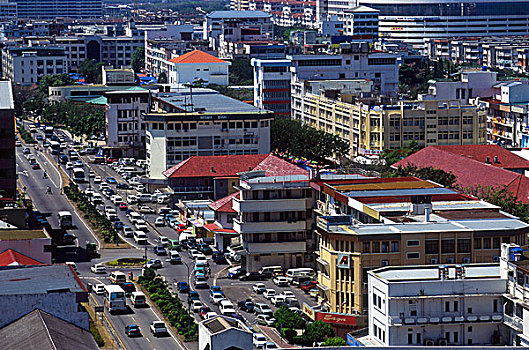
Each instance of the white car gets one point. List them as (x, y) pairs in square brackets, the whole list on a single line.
[(158, 327), (280, 281), (269, 293), (216, 298), (116, 199), (89, 192), (97, 179), (259, 288), (91, 174), (69, 165), (193, 253), (104, 186), (98, 268), (288, 294), (159, 221), (277, 300), (210, 314), (196, 305), (265, 320), (99, 289), (163, 241), (146, 210), (201, 259), (97, 198), (132, 199), (259, 340), (262, 308)]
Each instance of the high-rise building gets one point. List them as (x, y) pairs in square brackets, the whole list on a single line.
[(271, 85), (50, 9), (7, 142)]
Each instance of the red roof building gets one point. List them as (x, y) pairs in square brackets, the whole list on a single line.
[(197, 65), (470, 170), (10, 257), (195, 57)]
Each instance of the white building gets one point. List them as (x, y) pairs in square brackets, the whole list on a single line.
[(26, 65), (355, 61), (271, 85), (273, 220), (202, 122), (221, 332), (198, 65), (436, 305), (471, 85), (125, 123)]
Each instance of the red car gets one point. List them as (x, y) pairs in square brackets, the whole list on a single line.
[(308, 285), (123, 206), (204, 310)]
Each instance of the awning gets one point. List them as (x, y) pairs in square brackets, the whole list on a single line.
[(322, 287), (323, 262)]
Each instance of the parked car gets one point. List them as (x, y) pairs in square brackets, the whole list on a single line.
[(280, 281), (159, 221), (123, 186), (288, 294), (270, 345), (98, 268), (259, 340), (246, 305), (182, 287), (111, 181), (123, 206), (99, 289), (265, 320), (97, 179), (216, 298), (203, 311), (146, 210), (195, 306), (308, 285), (132, 330), (259, 288), (127, 231), (269, 293), (251, 276)]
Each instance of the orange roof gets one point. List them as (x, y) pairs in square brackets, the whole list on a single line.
[(196, 56)]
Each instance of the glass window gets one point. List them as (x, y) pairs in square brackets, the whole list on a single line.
[(432, 246), (375, 247), (448, 246)]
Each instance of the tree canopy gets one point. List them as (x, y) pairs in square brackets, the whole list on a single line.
[(317, 331), (336, 341), (427, 173), (91, 71), (54, 80), (391, 156), (300, 140), (80, 119), (287, 318), (137, 60)]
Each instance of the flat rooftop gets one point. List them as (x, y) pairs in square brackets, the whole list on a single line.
[(6, 95), (39, 280), (9, 235), (431, 272)]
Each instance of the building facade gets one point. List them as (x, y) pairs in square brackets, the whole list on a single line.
[(8, 177), (26, 65), (198, 65), (271, 85), (49, 9)]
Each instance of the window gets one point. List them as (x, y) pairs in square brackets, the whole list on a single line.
[(394, 246), (366, 247), (448, 246), (456, 337), (469, 329), (477, 243), (432, 246), (413, 243), (496, 243), (495, 305), (410, 338), (486, 243), (376, 247), (463, 245), (456, 306), (447, 306), (413, 255), (385, 247)]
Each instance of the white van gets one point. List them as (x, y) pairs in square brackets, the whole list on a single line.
[(117, 277), (299, 272), (133, 217), (226, 307), (138, 299), (140, 237)]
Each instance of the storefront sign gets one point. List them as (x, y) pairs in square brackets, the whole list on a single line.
[(307, 310), (343, 261), (329, 317)]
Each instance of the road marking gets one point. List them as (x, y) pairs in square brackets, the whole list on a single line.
[(148, 339), (133, 319)]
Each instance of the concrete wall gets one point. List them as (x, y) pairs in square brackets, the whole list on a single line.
[(231, 338), (34, 248)]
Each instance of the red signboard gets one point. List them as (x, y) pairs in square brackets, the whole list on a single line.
[(328, 317)]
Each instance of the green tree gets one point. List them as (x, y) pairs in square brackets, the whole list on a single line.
[(391, 156), (241, 72), (91, 71), (137, 60), (427, 173), (336, 341), (317, 331), (80, 118), (502, 197), (287, 318), (54, 80), (162, 78)]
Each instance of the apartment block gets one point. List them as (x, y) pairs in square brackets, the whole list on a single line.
[(437, 305), (198, 65), (26, 65), (376, 222), (271, 85), (8, 173), (202, 122)]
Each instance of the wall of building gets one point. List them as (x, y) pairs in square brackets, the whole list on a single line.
[(38, 248)]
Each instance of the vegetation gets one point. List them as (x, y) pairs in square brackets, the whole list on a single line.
[(238, 94), (285, 32), (241, 72), (391, 156), (414, 77), (94, 218), (137, 60), (427, 173), (170, 306), (91, 71), (336, 341), (95, 333), (80, 118), (287, 321), (25, 135), (316, 332), (54, 80), (127, 262), (295, 139)]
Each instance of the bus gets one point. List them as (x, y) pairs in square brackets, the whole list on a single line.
[(55, 147), (78, 175), (65, 219), (48, 132), (115, 299)]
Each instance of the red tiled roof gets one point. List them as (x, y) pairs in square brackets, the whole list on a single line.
[(10, 257), (469, 172), (506, 159), (216, 228), (221, 166), (225, 205), (196, 56)]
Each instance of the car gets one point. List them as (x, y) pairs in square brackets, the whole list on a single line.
[(174, 257), (203, 311), (262, 308), (108, 192), (99, 289), (280, 281), (127, 231), (118, 225), (288, 294), (104, 186), (132, 330), (40, 137), (201, 259), (63, 158), (154, 264), (308, 285), (160, 250), (226, 307), (201, 282), (195, 306), (259, 340), (265, 320), (277, 300), (35, 165), (269, 293), (26, 150), (123, 186), (192, 295), (91, 174), (146, 210), (259, 288), (116, 199), (182, 287), (140, 188), (205, 249), (159, 221), (98, 268), (219, 258), (78, 164), (211, 315), (97, 179), (18, 143), (110, 180), (270, 345), (132, 199), (235, 272), (163, 241), (69, 166), (215, 289), (216, 298), (251, 276), (193, 253), (246, 305), (123, 206)]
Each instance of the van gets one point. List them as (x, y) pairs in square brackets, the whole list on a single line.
[(269, 271), (117, 277), (140, 237), (299, 272), (138, 299), (133, 217)]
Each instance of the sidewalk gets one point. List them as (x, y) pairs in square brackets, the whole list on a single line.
[(276, 338)]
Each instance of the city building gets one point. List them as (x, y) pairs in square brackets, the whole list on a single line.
[(415, 22), (437, 305), (125, 123), (198, 121), (35, 244), (123, 76), (271, 85), (8, 178), (8, 10), (198, 65), (26, 65), (49, 9), (222, 228), (221, 332), (475, 167), (354, 60), (372, 222), (55, 289), (81, 93), (360, 20), (11, 258)]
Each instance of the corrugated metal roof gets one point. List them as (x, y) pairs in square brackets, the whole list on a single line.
[(403, 192), (38, 280)]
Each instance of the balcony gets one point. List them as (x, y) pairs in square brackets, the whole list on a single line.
[(191, 189), (513, 322), (325, 222), (269, 226), (279, 247), (270, 205), (397, 321)]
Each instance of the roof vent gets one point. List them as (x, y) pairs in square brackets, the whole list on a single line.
[(213, 170), (487, 160), (496, 160)]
